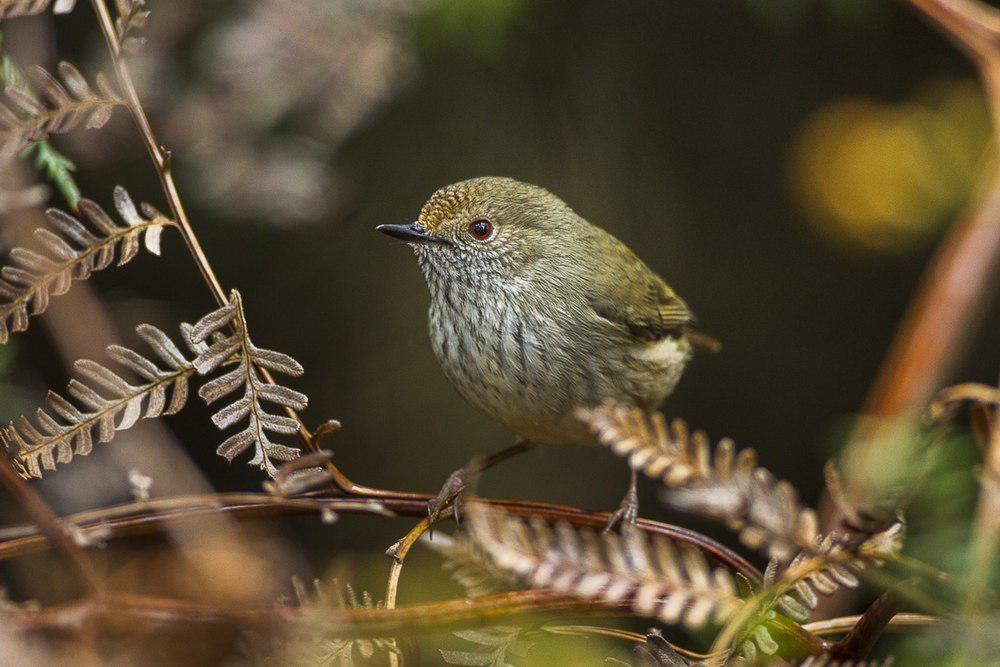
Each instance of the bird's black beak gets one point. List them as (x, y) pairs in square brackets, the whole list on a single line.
[(412, 233)]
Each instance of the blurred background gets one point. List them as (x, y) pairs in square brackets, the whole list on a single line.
[(787, 165)]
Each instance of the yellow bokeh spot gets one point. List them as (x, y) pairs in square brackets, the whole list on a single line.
[(883, 176)]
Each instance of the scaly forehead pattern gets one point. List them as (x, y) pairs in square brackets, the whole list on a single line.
[(443, 204)]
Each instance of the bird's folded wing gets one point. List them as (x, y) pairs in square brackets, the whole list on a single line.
[(647, 308)]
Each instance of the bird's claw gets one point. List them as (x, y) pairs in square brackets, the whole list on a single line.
[(627, 512), (452, 492)]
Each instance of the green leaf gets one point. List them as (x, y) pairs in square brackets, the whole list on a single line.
[(57, 168)]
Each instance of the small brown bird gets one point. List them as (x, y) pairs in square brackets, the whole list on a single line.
[(535, 312)]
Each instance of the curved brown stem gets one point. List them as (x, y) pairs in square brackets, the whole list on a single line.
[(152, 516), (126, 613), (861, 638)]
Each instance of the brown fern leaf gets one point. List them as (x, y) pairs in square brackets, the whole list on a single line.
[(31, 278), (660, 580), (726, 484), (13, 8), (132, 17), (468, 566), (223, 337), (105, 402), (315, 642), (70, 103), (831, 564), (825, 660)]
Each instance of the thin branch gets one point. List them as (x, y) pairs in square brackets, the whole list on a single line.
[(398, 552), (54, 531), (836, 626), (129, 612), (152, 516), (861, 638)]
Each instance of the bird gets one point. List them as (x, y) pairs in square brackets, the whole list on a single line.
[(536, 313)]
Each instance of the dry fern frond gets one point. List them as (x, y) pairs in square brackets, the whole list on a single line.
[(71, 102), (105, 402), (13, 8), (74, 253), (726, 484), (825, 660), (469, 567), (830, 565), (316, 642), (493, 645), (660, 580), (223, 333), (132, 16)]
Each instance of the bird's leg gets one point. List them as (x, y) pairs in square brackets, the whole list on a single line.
[(628, 511), (454, 487)]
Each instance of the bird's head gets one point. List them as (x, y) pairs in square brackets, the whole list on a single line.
[(487, 229)]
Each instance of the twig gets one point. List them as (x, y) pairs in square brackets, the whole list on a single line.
[(859, 641), (152, 516), (53, 530), (128, 613), (835, 626), (398, 552)]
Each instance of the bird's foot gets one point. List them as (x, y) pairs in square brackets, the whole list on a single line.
[(451, 493), (627, 512)]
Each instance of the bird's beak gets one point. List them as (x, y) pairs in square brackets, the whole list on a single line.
[(412, 233)]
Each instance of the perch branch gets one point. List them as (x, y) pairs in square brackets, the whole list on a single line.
[(152, 516)]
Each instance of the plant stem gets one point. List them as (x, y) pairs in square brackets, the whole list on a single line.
[(128, 613), (861, 638), (835, 626), (161, 158), (398, 552), (50, 526), (151, 516)]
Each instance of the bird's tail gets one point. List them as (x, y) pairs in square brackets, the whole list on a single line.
[(702, 341)]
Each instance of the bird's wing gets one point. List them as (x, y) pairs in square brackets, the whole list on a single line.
[(636, 298)]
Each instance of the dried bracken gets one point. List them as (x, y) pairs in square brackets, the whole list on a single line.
[(726, 484), (659, 580), (225, 340), (316, 643), (14, 8), (107, 403), (825, 660), (493, 645), (71, 103), (468, 566), (132, 17), (27, 283)]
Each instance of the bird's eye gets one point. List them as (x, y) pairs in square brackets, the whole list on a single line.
[(481, 229)]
